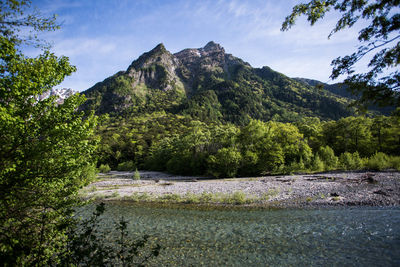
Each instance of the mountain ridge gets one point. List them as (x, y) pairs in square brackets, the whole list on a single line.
[(203, 81)]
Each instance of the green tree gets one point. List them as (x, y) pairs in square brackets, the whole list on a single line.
[(327, 155), (350, 134), (292, 142), (381, 83), (45, 149), (311, 128), (262, 154), (225, 163)]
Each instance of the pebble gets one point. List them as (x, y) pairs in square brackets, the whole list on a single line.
[(352, 187)]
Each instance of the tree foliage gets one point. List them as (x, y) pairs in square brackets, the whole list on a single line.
[(379, 40), (46, 150), (22, 27), (181, 145)]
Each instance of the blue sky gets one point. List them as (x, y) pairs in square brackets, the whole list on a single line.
[(102, 37)]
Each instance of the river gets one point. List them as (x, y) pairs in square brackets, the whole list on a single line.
[(358, 236)]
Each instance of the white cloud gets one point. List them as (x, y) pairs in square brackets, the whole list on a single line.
[(84, 46)]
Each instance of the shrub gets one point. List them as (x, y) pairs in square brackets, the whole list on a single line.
[(237, 198), (358, 161), (349, 161), (89, 171), (126, 166), (394, 162), (171, 197), (137, 197), (379, 161), (318, 165), (206, 197), (346, 161), (104, 168), (293, 167), (192, 198), (327, 155), (136, 176)]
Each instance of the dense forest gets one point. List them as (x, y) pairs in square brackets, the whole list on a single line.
[(181, 145)]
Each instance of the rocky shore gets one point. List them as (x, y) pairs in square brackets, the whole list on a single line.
[(324, 189)]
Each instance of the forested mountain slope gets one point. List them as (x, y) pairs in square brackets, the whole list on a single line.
[(341, 90), (210, 85)]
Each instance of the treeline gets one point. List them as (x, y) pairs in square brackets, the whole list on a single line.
[(180, 145)]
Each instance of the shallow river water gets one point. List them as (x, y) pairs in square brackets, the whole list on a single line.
[(362, 236)]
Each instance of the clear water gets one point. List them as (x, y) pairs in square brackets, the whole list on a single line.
[(319, 237)]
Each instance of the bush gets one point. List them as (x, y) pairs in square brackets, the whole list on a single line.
[(126, 166), (104, 168), (318, 165), (237, 198), (327, 155), (293, 167), (136, 176), (379, 161), (394, 162), (349, 161)]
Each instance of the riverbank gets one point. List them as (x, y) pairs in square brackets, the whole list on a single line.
[(327, 189)]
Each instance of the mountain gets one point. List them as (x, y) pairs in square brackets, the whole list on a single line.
[(60, 93), (341, 90), (337, 88), (210, 85)]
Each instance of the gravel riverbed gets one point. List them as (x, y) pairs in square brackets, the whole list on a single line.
[(339, 188)]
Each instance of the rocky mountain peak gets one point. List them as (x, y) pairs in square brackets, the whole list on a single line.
[(155, 69), (157, 54), (159, 48), (213, 47)]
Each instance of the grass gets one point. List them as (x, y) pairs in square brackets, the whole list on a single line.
[(115, 194), (271, 193), (235, 198)]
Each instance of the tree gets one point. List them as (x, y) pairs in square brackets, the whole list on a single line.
[(45, 149), (225, 163), (381, 83), (261, 152), (14, 21)]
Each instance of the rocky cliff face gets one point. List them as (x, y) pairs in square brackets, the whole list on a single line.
[(156, 69), (210, 58)]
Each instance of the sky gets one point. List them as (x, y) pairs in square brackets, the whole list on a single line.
[(102, 37)]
